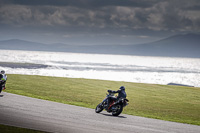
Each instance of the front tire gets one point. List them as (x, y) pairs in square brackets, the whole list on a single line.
[(99, 108), (118, 110), (1, 88)]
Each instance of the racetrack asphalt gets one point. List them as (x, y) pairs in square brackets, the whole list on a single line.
[(26, 112)]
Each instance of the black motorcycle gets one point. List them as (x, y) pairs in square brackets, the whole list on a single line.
[(116, 105)]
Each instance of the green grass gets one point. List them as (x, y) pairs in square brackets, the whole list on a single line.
[(171, 103), (11, 129)]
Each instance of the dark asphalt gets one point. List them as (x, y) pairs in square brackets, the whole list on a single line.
[(55, 117)]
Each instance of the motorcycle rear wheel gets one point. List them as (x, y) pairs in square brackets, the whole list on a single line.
[(118, 111), (99, 108)]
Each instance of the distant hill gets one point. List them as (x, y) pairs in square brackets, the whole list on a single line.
[(16, 44), (186, 45)]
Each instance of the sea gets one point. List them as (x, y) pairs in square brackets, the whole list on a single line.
[(138, 69)]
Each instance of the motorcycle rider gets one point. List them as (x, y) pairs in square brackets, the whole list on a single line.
[(121, 94), (3, 78)]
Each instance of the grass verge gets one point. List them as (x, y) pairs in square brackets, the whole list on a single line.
[(171, 103)]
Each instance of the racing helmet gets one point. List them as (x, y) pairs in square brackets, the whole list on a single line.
[(122, 88), (2, 72)]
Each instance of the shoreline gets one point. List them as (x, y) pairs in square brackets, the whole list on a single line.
[(81, 67), (22, 65), (38, 66)]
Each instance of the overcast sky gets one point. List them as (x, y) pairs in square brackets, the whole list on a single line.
[(97, 21)]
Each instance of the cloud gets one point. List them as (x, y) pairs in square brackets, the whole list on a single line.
[(132, 14), (96, 17), (15, 14), (83, 3)]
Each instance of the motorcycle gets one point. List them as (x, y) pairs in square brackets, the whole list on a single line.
[(116, 105)]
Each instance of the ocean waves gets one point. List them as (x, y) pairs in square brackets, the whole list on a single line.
[(119, 68), (157, 70)]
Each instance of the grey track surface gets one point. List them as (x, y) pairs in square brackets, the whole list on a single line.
[(21, 111)]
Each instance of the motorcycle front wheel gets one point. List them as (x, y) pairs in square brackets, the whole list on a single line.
[(118, 109), (1, 88), (99, 108)]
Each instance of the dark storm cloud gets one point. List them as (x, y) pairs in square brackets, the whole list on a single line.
[(84, 3), (156, 15), (123, 19), (195, 8)]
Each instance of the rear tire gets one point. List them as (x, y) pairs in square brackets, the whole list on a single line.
[(99, 108), (119, 109)]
